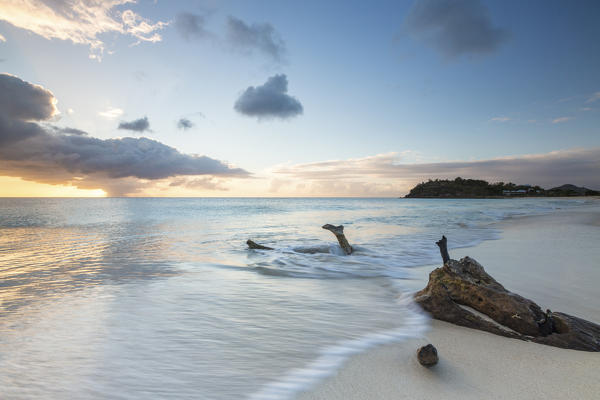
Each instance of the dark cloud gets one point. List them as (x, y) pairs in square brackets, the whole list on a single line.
[(68, 131), (455, 27), (191, 26), (73, 131), (255, 37), (138, 125), (184, 124), (269, 100), (64, 155), (22, 103)]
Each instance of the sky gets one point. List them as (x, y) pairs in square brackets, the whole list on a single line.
[(281, 98)]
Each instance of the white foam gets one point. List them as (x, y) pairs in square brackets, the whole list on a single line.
[(332, 358)]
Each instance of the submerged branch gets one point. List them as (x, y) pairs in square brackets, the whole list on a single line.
[(254, 245), (338, 231)]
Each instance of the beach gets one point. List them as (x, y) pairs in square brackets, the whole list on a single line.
[(120, 298), (551, 259)]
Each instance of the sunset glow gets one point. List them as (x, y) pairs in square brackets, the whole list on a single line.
[(17, 187)]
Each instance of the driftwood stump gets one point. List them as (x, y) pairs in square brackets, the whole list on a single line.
[(338, 231), (461, 292), (443, 245)]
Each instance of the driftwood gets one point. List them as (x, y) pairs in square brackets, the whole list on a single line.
[(338, 231), (443, 245), (462, 292), (253, 245)]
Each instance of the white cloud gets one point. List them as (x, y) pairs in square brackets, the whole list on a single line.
[(111, 113), (2, 38), (389, 175), (594, 97), (80, 21), (499, 119), (561, 120), (203, 182)]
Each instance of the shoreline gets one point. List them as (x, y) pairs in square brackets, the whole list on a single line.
[(548, 258), (502, 197)]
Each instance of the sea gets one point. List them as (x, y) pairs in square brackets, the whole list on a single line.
[(156, 298)]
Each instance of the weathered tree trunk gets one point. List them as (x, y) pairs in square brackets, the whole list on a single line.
[(462, 292), (338, 231), (443, 245), (257, 246)]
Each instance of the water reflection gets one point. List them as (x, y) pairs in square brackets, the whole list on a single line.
[(44, 262)]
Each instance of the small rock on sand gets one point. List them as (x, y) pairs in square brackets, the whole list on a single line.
[(427, 355)]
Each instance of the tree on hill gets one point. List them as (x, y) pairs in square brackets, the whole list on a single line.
[(477, 188)]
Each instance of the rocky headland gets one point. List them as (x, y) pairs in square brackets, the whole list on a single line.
[(477, 188)]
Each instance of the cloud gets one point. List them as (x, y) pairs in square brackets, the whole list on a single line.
[(67, 131), (2, 38), (191, 26), (255, 37), (21, 103), (500, 119), (111, 113), (269, 100), (184, 124), (25, 101), (64, 156), (561, 120), (454, 27), (138, 125), (276, 184), (80, 21), (594, 97), (385, 175), (208, 182)]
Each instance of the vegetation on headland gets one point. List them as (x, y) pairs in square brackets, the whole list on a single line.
[(476, 188)]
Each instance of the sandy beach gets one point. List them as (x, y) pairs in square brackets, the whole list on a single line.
[(550, 259)]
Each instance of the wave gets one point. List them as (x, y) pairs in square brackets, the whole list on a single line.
[(391, 245), (331, 359)]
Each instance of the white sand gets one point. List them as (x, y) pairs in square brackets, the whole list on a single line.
[(553, 260)]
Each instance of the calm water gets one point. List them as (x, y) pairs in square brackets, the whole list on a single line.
[(159, 298)]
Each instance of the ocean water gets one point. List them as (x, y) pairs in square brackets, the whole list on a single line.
[(160, 298)]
